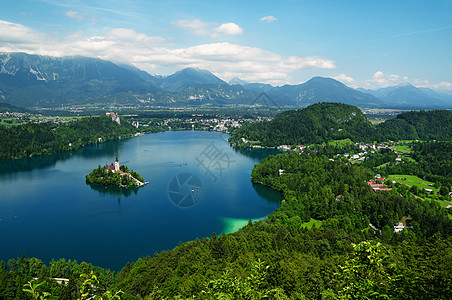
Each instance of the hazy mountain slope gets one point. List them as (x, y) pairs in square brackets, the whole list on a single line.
[(33, 80), (188, 77), (406, 95), (5, 107), (320, 89), (44, 81)]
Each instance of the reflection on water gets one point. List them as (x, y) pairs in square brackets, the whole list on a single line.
[(257, 153), (267, 193), (109, 149), (113, 190), (86, 221)]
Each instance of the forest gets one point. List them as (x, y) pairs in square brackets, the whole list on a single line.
[(40, 139), (431, 161), (353, 254), (323, 122)]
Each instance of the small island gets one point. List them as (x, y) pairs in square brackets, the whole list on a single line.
[(115, 175)]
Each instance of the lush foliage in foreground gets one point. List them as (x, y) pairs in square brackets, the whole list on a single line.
[(20, 276), (39, 139)]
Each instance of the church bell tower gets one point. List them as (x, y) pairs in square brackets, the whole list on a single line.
[(116, 164)]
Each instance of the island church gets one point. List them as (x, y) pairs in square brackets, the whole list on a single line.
[(115, 167)]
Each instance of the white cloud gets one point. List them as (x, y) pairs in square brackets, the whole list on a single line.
[(443, 85), (381, 80), (197, 27), (11, 33), (153, 53), (268, 19), (74, 15), (229, 28), (345, 79), (201, 28), (129, 35)]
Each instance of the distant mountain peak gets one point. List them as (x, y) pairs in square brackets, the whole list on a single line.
[(325, 79), (325, 89), (404, 84), (407, 95), (193, 70), (187, 77), (237, 80)]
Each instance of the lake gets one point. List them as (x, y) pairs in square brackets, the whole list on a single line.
[(198, 185)]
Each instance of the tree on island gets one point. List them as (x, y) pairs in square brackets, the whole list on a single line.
[(115, 175)]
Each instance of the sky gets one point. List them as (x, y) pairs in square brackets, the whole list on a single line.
[(368, 44)]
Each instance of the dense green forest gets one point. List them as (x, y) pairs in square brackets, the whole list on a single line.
[(432, 162), (101, 175), (39, 139), (315, 124), (279, 258), (323, 122)]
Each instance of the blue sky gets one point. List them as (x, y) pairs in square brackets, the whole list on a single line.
[(368, 44)]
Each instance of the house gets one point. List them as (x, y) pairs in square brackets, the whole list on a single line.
[(285, 147), (404, 223), (281, 171), (384, 189), (377, 185), (399, 227), (429, 191)]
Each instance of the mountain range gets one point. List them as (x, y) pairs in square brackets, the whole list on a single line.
[(407, 94), (36, 81)]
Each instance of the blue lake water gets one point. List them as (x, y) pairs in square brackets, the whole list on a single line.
[(198, 185)]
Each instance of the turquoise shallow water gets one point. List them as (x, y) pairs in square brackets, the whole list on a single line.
[(198, 185)]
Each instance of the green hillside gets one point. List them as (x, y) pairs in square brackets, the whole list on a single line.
[(315, 124), (324, 122), (39, 139)]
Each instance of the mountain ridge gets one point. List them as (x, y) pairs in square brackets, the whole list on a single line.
[(29, 80)]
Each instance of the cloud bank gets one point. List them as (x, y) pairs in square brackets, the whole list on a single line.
[(381, 80), (154, 53)]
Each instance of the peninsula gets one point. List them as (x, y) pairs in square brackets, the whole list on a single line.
[(115, 175)]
